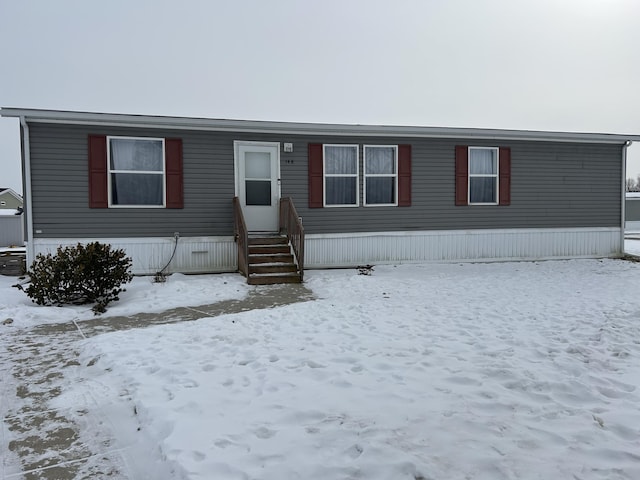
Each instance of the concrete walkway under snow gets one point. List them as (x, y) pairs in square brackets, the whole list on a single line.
[(45, 443)]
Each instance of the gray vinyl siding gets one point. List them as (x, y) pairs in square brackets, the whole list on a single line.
[(60, 187), (552, 185)]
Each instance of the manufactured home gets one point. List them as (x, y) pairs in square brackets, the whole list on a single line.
[(207, 195)]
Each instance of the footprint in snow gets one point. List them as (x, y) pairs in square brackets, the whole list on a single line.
[(341, 383), (462, 380), (170, 395), (224, 443), (610, 392), (264, 433), (198, 456), (622, 386), (312, 364), (354, 451)]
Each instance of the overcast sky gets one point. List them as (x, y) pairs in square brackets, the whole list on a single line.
[(560, 65)]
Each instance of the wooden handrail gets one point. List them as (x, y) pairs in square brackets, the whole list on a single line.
[(291, 224), (241, 235)]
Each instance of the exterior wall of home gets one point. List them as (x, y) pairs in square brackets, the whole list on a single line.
[(553, 185), (60, 183)]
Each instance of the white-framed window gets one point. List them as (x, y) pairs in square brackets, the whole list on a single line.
[(381, 175), (483, 176), (136, 172), (341, 170)]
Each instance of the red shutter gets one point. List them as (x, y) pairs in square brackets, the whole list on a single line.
[(98, 197), (404, 175), (174, 183), (462, 179), (315, 176), (505, 176)]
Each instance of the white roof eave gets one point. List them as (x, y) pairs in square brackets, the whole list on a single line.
[(294, 128)]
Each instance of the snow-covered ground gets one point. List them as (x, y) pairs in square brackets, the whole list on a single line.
[(141, 295), (632, 245), (439, 371)]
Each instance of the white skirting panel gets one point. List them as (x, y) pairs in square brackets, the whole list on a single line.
[(219, 254), (344, 250), (149, 255)]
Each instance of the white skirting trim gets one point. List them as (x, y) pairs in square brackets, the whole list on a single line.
[(219, 254), (149, 255), (342, 250)]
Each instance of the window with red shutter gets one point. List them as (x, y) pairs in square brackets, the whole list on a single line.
[(135, 172), (483, 175)]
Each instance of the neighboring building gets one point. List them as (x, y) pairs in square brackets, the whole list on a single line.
[(11, 222), (632, 212), (366, 194), (10, 199), (11, 228)]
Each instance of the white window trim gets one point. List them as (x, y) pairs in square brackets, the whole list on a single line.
[(325, 175), (163, 173), (382, 175), (492, 175)]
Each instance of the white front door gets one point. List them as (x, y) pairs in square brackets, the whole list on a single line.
[(257, 185)]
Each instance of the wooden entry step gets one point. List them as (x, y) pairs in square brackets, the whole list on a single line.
[(271, 261)]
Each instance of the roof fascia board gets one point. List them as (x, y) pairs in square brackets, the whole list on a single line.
[(314, 129)]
